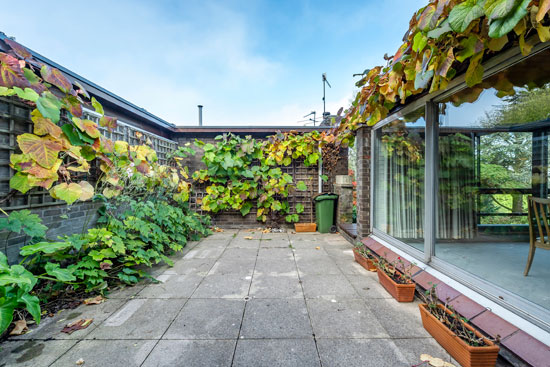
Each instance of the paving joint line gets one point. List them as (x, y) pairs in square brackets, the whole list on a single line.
[(307, 308), (246, 303), (184, 304)]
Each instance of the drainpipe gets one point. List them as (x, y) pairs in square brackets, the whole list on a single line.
[(320, 170), (200, 115)]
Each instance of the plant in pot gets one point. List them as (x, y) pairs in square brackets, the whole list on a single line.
[(465, 344), (311, 226), (397, 282), (364, 257)]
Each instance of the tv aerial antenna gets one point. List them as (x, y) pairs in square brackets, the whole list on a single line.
[(314, 119), (325, 82)]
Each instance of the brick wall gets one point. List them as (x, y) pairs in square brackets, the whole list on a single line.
[(80, 216), (363, 146)]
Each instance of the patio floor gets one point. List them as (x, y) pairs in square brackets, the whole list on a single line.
[(239, 298)]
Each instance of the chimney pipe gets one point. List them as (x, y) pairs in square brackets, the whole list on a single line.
[(200, 115)]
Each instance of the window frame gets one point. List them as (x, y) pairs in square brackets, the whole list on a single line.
[(520, 306)]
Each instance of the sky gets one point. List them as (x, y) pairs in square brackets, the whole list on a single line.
[(250, 63)]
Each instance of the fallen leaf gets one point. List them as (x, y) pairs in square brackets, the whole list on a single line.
[(80, 362), (94, 300), (437, 362), (20, 328), (248, 238), (77, 325), (425, 357), (317, 248)]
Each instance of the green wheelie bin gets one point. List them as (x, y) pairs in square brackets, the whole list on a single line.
[(324, 212)]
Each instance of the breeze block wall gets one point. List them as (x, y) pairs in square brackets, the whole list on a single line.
[(363, 146)]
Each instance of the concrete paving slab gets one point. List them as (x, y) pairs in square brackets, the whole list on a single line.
[(190, 266), (276, 318), (324, 265), (275, 253), (223, 286), (360, 353), (282, 285), (208, 319), (343, 319), (172, 285), (308, 254), (191, 353), (213, 243), (276, 266), (127, 291), (139, 319), (274, 242), (33, 353), (242, 235), (328, 286), (204, 252), (244, 243), (50, 327), (350, 267), (239, 253), (100, 353), (340, 253), (275, 236), (367, 286), (234, 265), (399, 319), (276, 353), (412, 348)]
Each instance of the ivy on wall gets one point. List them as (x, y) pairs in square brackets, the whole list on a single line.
[(444, 38)]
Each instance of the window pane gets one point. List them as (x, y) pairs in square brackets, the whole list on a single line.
[(399, 179), (493, 155)]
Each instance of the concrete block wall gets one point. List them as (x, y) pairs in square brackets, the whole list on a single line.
[(363, 146), (80, 216)]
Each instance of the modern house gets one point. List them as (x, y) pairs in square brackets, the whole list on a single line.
[(444, 182)]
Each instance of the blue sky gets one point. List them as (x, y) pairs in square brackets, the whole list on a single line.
[(248, 62)]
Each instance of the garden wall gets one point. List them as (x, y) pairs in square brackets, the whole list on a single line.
[(297, 169)]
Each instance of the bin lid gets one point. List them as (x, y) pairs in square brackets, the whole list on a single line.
[(326, 196)]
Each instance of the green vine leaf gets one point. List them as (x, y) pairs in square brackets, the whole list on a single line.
[(465, 13), (502, 26), (495, 9), (301, 186), (299, 208), (67, 192), (49, 106)]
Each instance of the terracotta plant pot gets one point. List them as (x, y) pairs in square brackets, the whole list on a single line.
[(401, 292), (364, 261), (305, 227), (463, 353)]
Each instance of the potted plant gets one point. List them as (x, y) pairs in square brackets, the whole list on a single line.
[(465, 344), (398, 283), (364, 257)]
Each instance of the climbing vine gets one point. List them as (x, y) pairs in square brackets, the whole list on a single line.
[(63, 143), (445, 38), (243, 173)]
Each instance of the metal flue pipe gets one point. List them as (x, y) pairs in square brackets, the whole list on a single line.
[(200, 114)]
